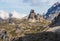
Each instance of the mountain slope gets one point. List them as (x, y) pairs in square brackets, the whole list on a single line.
[(56, 21), (55, 8), (53, 11)]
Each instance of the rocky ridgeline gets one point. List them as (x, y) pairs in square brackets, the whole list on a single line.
[(53, 11), (53, 15), (33, 17)]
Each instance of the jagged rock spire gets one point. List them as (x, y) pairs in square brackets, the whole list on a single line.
[(10, 16), (32, 15)]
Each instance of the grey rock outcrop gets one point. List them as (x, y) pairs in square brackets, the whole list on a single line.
[(32, 15)]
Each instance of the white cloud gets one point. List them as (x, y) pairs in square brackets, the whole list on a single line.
[(51, 2), (5, 15), (39, 2), (39, 5), (44, 1), (17, 15)]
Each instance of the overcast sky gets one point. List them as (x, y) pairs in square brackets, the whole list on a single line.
[(24, 6)]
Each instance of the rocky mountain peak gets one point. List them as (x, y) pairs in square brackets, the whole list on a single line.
[(32, 11), (32, 15), (54, 10), (57, 3)]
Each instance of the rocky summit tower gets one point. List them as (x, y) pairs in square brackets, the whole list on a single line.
[(10, 16), (32, 16)]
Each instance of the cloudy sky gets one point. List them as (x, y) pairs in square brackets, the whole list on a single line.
[(24, 6)]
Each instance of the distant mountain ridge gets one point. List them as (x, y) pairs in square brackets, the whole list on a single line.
[(54, 10)]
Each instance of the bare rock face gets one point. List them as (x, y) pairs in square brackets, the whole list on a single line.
[(10, 16), (32, 15)]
